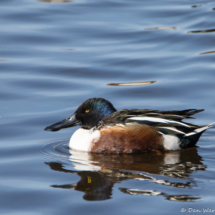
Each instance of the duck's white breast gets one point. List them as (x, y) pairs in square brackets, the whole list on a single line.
[(82, 139), (171, 142)]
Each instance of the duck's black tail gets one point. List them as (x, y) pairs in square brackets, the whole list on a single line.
[(189, 112), (190, 139)]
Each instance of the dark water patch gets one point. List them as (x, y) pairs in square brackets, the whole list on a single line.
[(195, 6), (18, 17), (55, 1), (42, 83), (33, 37), (79, 74), (69, 49), (161, 28), (11, 96)]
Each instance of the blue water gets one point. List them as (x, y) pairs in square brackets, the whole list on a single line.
[(55, 54)]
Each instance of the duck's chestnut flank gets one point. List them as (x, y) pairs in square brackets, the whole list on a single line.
[(106, 130), (128, 139)]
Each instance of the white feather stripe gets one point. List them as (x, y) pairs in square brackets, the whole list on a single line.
[(159, 120), (120, 125), (172, 129), (198, 130)]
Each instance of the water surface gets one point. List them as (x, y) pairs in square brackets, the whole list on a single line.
[(55, 54)]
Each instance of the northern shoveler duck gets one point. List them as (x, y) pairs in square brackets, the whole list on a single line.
[(106, 130)]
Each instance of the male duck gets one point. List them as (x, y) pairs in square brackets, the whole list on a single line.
[(106, 130)]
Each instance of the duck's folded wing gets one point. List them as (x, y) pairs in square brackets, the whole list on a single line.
[(167, 125), (174, 114), (167, 122)]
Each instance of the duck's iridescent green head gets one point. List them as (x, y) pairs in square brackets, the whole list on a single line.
[(92, 111), (87, 115)]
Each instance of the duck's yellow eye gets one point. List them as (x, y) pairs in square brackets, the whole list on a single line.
[(87, 111)]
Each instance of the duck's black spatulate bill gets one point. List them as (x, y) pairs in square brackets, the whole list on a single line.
[(66, 123)]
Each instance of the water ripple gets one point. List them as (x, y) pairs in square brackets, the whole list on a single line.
[(57, 150)]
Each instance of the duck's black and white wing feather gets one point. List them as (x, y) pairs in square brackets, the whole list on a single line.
[(167, 122)]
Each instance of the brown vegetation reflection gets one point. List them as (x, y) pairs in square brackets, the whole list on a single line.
[(202, 31), (211, 52), (102, 171), (131, 84)]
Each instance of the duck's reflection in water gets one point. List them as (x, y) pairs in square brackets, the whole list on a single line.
[(99, 172)]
